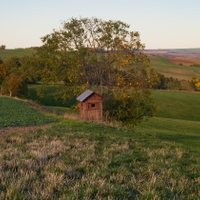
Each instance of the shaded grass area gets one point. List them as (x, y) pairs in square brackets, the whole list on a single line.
[(18, 113), (5, 54), (49, 97), (79, 160)]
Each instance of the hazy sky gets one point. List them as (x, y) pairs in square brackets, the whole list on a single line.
[(161, 23)]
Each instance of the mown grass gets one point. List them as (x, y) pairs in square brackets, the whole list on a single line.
[(179, 131), (79, 160), (19, 113), (5, 54), (177, 105)]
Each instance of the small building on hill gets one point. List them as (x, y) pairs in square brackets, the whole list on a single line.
[(90, 106)]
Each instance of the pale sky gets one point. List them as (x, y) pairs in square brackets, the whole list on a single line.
[(161, 23)]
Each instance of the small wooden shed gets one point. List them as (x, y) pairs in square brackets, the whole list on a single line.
[(90, 106)]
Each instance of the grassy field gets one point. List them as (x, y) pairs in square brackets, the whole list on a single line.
[(79, 160), (159, 159), (19, 113), (177, 118), (191, 51), (5, 54), (164, 66), (71, 159), (159, 63)]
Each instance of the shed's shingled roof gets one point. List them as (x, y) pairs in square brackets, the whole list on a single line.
[(84, 95)]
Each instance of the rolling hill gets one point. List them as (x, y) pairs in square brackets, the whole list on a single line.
[(5, 54)]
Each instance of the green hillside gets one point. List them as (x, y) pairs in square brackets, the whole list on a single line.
[(19, 113), (5, 54), (164, 66), (177, 105), (78, 160)]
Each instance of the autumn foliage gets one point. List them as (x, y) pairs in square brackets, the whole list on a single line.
[(103, 56)]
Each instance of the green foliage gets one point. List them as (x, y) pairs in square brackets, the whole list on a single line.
[(11, 81), (2, 47), (129, 109), (49, 96), (103, 56), (18, 113)]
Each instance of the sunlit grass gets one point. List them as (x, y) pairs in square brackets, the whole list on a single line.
[(78, 160)]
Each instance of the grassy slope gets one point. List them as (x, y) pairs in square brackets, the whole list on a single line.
[(177, 118), (164, 66), (176, 113), (5, 54), (79, 160), (20, 113)]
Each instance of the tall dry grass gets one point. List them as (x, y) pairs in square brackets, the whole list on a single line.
[(84, 162)]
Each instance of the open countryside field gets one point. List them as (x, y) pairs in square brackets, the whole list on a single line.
[(72, 159), (5, 54), (166, 62), (178, 108), (81, 160), (166, 67), (176, 63)]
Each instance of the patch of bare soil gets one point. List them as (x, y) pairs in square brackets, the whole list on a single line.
[(184, 61), (21, 130)]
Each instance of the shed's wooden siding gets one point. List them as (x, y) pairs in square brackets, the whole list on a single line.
[(91, 108)]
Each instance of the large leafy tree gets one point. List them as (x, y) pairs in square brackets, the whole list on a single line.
[(104, 56), (11, 80)]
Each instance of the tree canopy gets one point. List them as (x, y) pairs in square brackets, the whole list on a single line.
[(103, 56)]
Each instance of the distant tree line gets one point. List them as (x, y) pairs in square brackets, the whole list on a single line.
[(103, 56), (160, 81), (2, 47)]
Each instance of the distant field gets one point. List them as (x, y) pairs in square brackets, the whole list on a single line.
[(163, 65), (166, 62), (188, 51), (184, 61), (177, 105), (176, 62), (5, 54)]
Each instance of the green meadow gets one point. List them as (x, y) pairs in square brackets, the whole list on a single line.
[(73, 159), (5, 54), (164, 66)]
